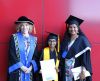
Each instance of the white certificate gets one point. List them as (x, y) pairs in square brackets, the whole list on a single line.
[(76, 71), (48, 70)]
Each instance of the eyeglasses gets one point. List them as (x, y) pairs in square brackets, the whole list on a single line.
[(52, 40)]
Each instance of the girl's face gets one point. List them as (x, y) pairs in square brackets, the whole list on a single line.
[(52, 43), (73, 29), (25, 27)]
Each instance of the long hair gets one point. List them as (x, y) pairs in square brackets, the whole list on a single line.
[(67, 34)]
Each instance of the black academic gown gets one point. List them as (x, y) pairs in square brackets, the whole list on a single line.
[(52, 56), (84, 60), (14, 59)]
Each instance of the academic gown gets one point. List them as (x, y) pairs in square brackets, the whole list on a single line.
[(17, 58), (79, 45), (52, 56)]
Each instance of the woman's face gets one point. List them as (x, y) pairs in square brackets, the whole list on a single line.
[(25, 27), (73, 29), (52, 43)]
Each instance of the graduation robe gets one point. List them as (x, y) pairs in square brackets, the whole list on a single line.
[(47, 54), (17, 58), (81, 45)]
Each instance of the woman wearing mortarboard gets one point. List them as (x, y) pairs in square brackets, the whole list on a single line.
[(51, 52), (22, 52), (75, 52)]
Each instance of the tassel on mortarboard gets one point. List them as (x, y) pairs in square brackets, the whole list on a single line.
[(58, 48), (34, 29)]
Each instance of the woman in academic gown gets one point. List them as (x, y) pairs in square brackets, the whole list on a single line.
[(75, 51), (51, 52), (23, 52)]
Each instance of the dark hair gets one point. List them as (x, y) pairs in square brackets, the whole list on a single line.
[(67, 34)]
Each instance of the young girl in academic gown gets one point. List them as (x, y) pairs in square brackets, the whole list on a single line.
[(51, 52)]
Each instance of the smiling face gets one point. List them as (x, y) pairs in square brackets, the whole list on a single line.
[(24, 27), (52, 43), (73, 29)]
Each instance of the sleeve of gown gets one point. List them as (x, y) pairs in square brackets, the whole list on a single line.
[(14, 61), (86, 59), (85, 42), (40, 59), (35, 60)]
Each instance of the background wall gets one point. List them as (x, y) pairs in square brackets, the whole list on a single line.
[(49, 16)]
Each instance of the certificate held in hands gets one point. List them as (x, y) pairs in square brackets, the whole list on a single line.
[(48, 70), (76, 71)]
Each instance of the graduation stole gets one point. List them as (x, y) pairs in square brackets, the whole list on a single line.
[(47, 57), (18, 46)]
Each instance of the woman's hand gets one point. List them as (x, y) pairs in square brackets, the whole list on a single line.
[(82, 75), (24, 68), (29, 69)]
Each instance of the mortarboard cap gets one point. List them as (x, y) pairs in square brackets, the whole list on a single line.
[(52, 36), (23, 19), (73, 20)]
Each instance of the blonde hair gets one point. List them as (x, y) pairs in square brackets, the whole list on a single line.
[(18, 28)]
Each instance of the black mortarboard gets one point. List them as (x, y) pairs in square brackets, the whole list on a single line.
[(52, 36), (23, 19), (73, 20)]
